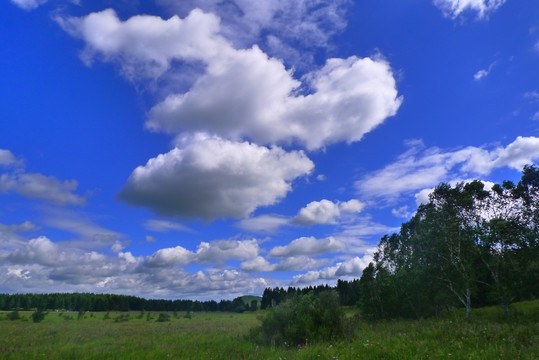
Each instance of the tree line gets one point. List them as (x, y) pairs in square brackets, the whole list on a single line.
[(468, 246), (348, 293), (111, 302)]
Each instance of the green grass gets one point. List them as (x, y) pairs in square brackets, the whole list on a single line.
[(223, 336)]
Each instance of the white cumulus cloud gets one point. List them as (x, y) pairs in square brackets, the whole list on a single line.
[(145, 45), (350, 98), (326, 211), (308, 246), (212, 178), (169, 256), (347, 97)]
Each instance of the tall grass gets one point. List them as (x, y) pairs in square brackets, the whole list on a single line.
[(223, 336)]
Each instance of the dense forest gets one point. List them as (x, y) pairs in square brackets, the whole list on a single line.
[(468, 247), (110, 302)]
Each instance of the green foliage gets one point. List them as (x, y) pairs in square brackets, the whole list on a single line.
[(13, 315), (38, 315), (303, 319), (163, 317), (466, 247), (121, 318), (111, 302)]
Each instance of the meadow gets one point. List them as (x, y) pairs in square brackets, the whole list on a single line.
[(135, 335)]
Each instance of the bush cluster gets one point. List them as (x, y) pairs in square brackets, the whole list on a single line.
[(303, 319), (163, 317), (38, 315)]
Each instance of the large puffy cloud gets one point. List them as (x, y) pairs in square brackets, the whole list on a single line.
[(59, 258), (40, 250), (308, 246), (349, 98), (326, 212), (146, 45), (420, 168), (346, 98), (454, 8), (316, 212), (211, 178), (522, 151), (169, 257)]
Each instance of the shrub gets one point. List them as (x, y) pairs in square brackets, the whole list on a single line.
[(38, 315), (163, 317), (14, 315), (121, 318), (301, 319)]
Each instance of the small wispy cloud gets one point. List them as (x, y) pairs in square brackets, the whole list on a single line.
[(28, 4), (483, 73), (455, 8), (164, 226)]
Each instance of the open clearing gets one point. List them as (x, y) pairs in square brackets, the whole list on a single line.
[(136, 335)]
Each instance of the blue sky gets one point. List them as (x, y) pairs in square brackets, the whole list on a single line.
[(209, 149)]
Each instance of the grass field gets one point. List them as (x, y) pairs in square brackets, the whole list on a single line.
[(223, 336)]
